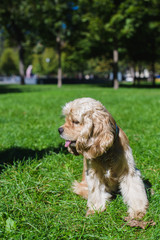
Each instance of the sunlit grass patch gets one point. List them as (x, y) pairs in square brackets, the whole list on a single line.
[(37, 172)]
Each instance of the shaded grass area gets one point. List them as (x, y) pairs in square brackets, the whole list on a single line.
[(5, 88), (37, 172)]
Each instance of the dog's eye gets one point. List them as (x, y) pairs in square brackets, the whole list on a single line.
[(75, 122)]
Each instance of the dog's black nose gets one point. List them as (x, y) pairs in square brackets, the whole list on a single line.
[(60, 130)]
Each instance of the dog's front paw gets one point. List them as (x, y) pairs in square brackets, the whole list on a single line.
[(136, 214), (89, 212), (80, 188)]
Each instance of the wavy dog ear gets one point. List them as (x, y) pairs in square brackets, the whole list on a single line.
[(86, 133), (98, 135)]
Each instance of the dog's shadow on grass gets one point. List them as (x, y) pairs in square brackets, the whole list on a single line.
[(148, 188), (18, 154)]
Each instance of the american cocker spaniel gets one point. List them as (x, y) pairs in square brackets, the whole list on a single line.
[(108, 164)]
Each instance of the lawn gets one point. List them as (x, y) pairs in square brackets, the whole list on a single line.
[(37, 172)]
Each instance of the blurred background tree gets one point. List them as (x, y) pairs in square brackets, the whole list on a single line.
[(141, 32), (14, 20), (82, 37), (56, 25)]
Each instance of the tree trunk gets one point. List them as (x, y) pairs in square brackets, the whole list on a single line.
[(59, 62), (132, 70), (115, 69), (21, 64), (139, 72), (153, 58), (153, 73)]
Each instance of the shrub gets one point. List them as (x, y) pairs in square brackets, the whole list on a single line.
[(9, 62), (45, 63)]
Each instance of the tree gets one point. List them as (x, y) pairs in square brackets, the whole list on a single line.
[(92, 29), (140, 33), (58, 21), (103, 30), (130, 27), (113, 27), (14, 19)]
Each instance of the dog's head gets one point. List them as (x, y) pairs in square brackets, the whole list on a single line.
[(89, 129)]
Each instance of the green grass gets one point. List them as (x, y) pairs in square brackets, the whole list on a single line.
[(36, 201)]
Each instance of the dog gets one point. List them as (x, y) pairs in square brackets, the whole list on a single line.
[(108, 165)]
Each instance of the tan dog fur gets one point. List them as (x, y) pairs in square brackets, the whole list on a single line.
[(91, 131)]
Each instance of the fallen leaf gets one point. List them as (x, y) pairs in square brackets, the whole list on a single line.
[(138, 223)]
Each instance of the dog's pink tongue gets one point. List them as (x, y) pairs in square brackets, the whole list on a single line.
[(67, 143)]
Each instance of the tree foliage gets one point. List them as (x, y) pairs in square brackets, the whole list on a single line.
[(14, 20), (82, 31)]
